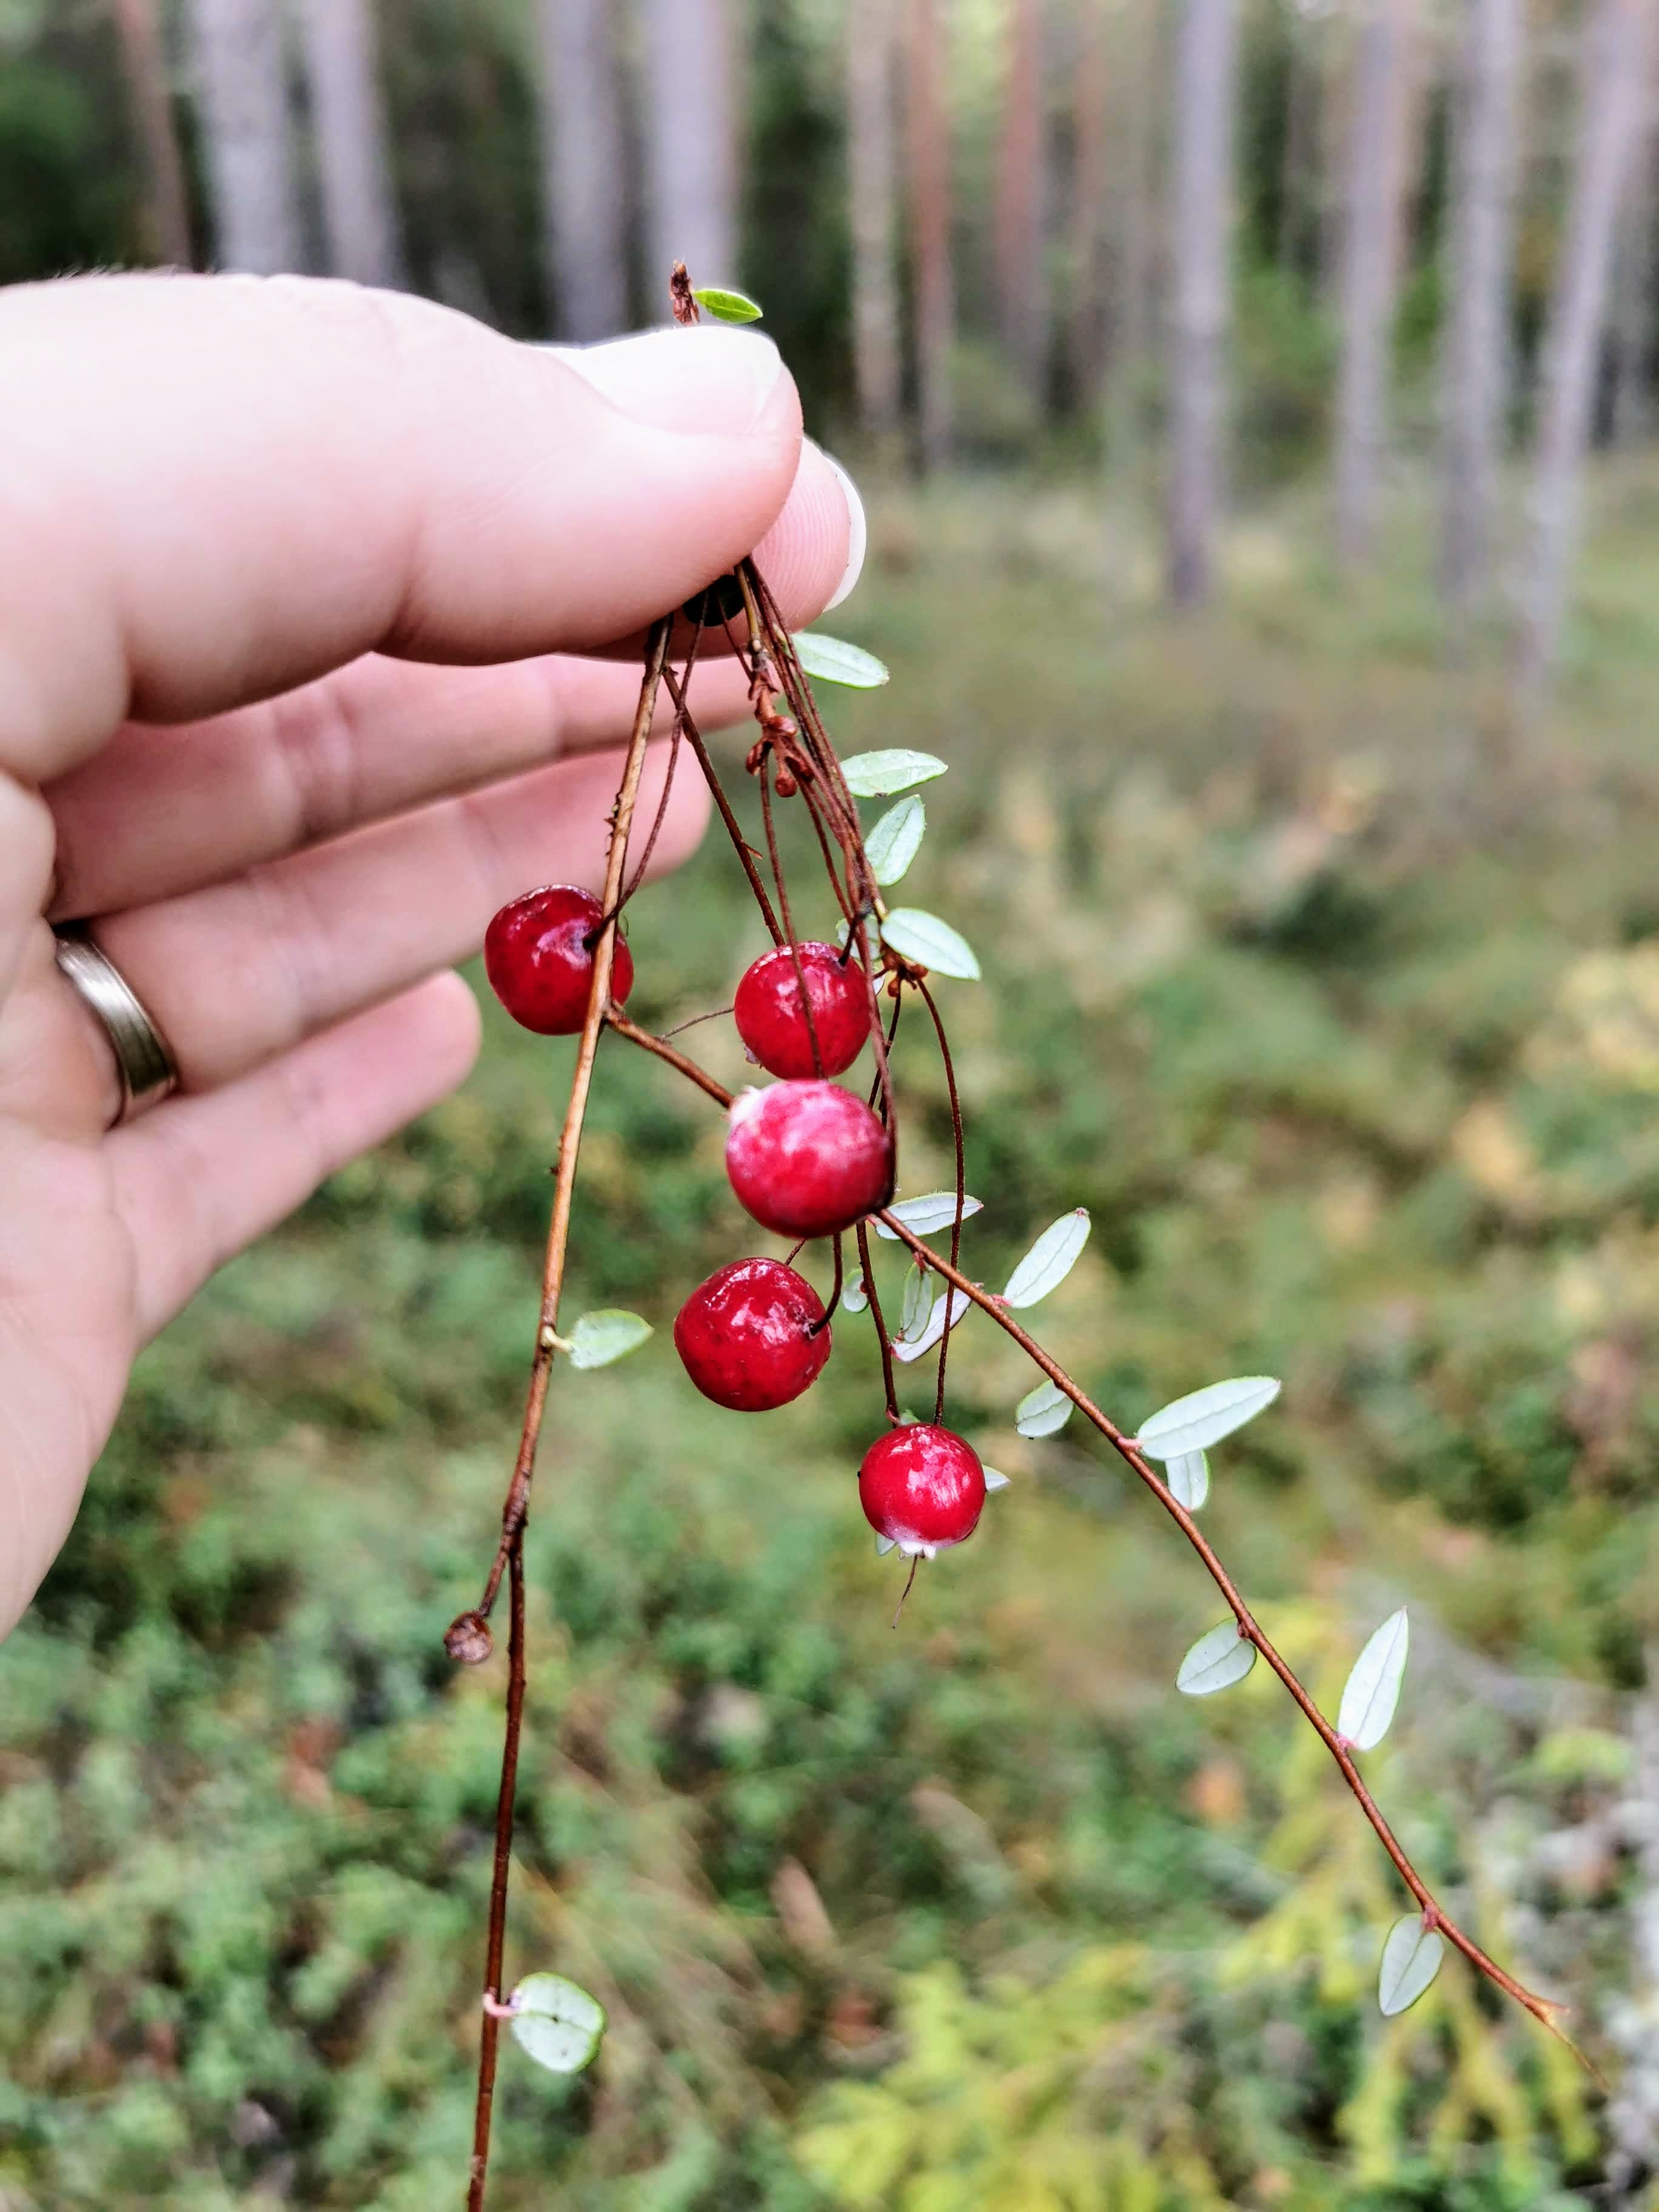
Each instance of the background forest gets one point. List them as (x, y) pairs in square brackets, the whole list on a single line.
[(1254, 405)]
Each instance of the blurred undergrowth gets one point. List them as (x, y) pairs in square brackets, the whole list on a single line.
[(1339, 1005)]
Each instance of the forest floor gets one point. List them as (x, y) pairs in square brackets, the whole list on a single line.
[(1336, 998)]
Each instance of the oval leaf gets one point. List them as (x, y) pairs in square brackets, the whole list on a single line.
[(832, 660), (1411, 1959), (556, 2022), (1188, 1477), (1050, 1259), (994, 1480), (911, 1348), (1204, 1416), (897, 839), (1372, 1690), (913, 1305), (725, 307), (930, 942), (1216, 1661), (885, 1544), (1043, 1412), (927, 1215), (853, 1296), (878, 774), (610, 1334)]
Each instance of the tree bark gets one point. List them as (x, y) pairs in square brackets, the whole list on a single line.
[(1613, 71), (1370, 262), (1132, 327), (580, 84), (360, 217), (1085, 324), (1634, 271), (1203, 179), (929, 131), (691, 65), (870, 53), (242, 81), (166, 206), (1022, 278), (1477, 361)]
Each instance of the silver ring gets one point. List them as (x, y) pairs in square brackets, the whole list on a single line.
[(143, 1059)]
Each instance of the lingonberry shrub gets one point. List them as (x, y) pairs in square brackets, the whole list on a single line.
[(808, 1158)]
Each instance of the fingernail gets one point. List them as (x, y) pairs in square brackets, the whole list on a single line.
[(708, 378), (858, 534)]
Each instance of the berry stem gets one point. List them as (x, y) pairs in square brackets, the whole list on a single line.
[(717, 791), (1543, 2009)]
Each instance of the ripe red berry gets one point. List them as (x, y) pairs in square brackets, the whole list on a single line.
[(808, 1158), (753, 1336), (923, 1487), (771, 1023), (540, 964)]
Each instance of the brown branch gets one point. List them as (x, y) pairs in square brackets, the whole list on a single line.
[(1542, 2010), (717, 792), (509, 1556)]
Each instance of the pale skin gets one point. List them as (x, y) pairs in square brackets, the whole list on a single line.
[(317, 610)]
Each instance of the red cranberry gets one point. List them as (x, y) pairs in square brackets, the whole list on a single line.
[(922, 1486), (540, 964), (771, 1023), (753, 1336), (808, 1158)]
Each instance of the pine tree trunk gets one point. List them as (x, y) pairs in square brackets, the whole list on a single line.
[(1084, 348), (242, 82), (1615, 57), (870, 53), (1370, 260), (1477, 362), (581, 134), (1022, 278), (1203, 191), (342, 70), (928, 132), (1132, 322), (166, 206), (1634, 271), (691, 75)]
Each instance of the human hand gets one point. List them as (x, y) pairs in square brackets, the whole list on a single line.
[(329, 538)]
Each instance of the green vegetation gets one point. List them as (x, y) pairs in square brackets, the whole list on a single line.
[(1340, 1008)]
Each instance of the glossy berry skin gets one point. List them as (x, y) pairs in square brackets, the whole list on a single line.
[(770, 1021), (923, 1487), (808, 1158), (538, 963), (746, 1336)]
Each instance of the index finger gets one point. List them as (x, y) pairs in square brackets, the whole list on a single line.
[(215, 488)]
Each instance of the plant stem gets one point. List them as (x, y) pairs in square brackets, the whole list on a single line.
[(509, 1554), (1542, 2010)]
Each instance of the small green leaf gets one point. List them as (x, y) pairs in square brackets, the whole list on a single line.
[(610, 1334), (1203, 1417), (994, 1480), (556, 2022), (1411, 1959), (853, 1296), (914, 1306), (832, 660), (1050, 1259), (885, 1544), (897, 839), (1216, 1661), (1188, 1477), (1372, 1690), (930, 942), (1043, 1412), (878, 774), (909, 1348), (927, 1215), (727, 307)]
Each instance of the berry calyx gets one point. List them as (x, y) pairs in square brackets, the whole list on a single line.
[(808, 1158), (540, 963), (922, 1487), (772, 1024), (753, 1336)]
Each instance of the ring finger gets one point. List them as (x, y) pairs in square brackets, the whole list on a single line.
[(236, 973)]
